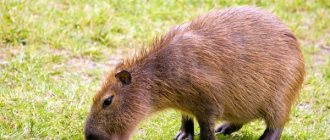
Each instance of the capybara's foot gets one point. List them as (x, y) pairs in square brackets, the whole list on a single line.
[(271, 134), (184, 136), (227, 128)]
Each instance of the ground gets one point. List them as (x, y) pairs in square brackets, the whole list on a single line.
[(54, 55)]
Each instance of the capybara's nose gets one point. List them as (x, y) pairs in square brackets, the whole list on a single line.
[(89, 136), (95, 136)]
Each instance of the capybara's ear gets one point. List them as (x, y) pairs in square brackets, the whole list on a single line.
[(124, 77)]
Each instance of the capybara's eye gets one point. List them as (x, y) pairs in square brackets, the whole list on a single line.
[(107, 101)]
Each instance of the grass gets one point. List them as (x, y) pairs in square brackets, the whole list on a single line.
[(53, 55)]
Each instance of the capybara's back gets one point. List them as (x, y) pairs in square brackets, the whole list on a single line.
[(235, 65)]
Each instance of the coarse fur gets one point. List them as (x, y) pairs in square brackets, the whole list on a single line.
[(235, 65)]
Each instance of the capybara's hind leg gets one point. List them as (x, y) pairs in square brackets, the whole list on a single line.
[(274, 128), (271, 134), (187, 128), (275, 120), (227, 128)]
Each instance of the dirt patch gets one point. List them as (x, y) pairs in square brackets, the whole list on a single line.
[(6, 53), (319, 58), (83, 63)]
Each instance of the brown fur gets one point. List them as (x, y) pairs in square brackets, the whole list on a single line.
[(235, 65)]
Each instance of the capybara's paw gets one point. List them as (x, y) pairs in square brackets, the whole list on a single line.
[(271, 134), (227, 128), (184, 136)]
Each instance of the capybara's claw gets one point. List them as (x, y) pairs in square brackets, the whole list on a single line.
[(183, 136)]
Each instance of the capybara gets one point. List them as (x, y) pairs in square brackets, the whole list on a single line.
[(234, 65)]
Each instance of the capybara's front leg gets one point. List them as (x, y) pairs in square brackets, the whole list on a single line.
[(206, 129), (187, 128)]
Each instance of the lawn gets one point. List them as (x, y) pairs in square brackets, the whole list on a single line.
[(55, 53)]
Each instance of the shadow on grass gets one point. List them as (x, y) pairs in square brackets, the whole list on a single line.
[(233, 137), (237, 137), (244, 137)]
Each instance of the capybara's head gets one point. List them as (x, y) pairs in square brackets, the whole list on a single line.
[(116, 109)]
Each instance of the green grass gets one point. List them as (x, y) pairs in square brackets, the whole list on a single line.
[(54, 54)]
